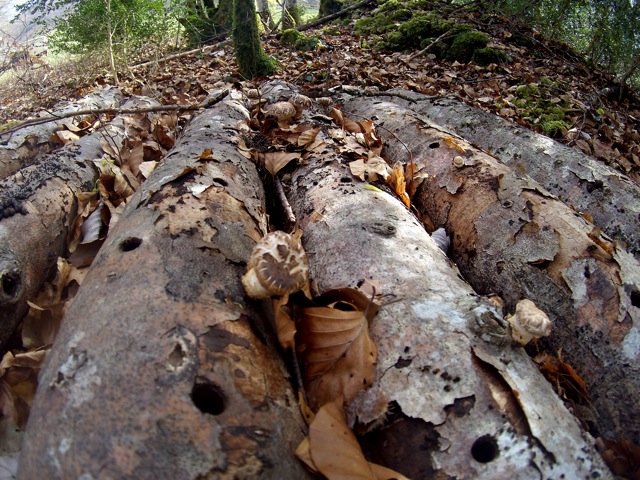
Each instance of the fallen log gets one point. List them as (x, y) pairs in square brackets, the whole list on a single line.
[(21, 148), (513, 238), (579, 180), (157, 371), (453, 398), (37, 207)]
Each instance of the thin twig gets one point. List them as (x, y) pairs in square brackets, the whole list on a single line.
[(446, 34), (116, 111), (283, 199)]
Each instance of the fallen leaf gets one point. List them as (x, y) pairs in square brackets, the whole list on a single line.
[(334, 450), (276, 161), (285, 327), (336, 353)]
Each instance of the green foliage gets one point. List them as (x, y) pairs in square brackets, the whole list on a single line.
[(465, 44), (291, 36), (134, 22), (251, 58)]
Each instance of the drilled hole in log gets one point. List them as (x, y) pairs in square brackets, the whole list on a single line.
[(10, 283), (485, 449), (208, 397), (434, 145), (130, 243), (635, 298), (220, 181)]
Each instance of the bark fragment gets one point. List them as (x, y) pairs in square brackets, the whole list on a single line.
[(157, 372), (513, 238), (37, 206)]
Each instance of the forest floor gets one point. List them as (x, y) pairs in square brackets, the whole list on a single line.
[(541, 74)]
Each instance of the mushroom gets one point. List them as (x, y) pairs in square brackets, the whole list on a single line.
[(324, 102), (278, 267), (301, 103), (283, 111), (528, 322)]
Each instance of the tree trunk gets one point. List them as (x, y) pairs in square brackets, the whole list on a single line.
[(580, 181), (290, 14), (252, 61), (23, 147), (329, 7), (37, 207), (265, 14), (514, 239), (436, 399), (157, 371)]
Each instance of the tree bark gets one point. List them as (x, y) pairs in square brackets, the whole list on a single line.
[(587, 185), (439, 384), (512, 238), (23, 147), (265, 14), (37, 207), (157, 371)]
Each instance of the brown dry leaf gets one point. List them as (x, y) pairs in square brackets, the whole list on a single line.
[(146, 168), (306, 138), (285, 327), (276, 161), (64, 137), (164, 137), (334, 449), (369, 170), (335, 351), (340, 456), (622, 457), (18, 383), (452, 144), (87, 203), (563, 377), (397, 182)]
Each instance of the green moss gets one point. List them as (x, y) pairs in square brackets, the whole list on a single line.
[(547, 82), (377, 24), (555, 127), (401, 15), (487, 55), (527, 91), (465, 44), (291, 36), (331, 30), (307, 43), (251, 58), (424, 26)]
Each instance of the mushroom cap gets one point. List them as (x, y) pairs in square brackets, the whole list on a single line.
[(253, 93), (528, 322), (324, 101), (301, 102), (282, 110), (278, 266)]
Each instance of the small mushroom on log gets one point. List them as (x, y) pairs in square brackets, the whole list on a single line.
[(283, 111), (301, 102), (278, 266), (528, 322)]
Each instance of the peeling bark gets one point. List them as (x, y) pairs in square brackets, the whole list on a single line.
[(157, 372), (513, 238), (23, 147), (37, 206), (454, 398), (579, 180)]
